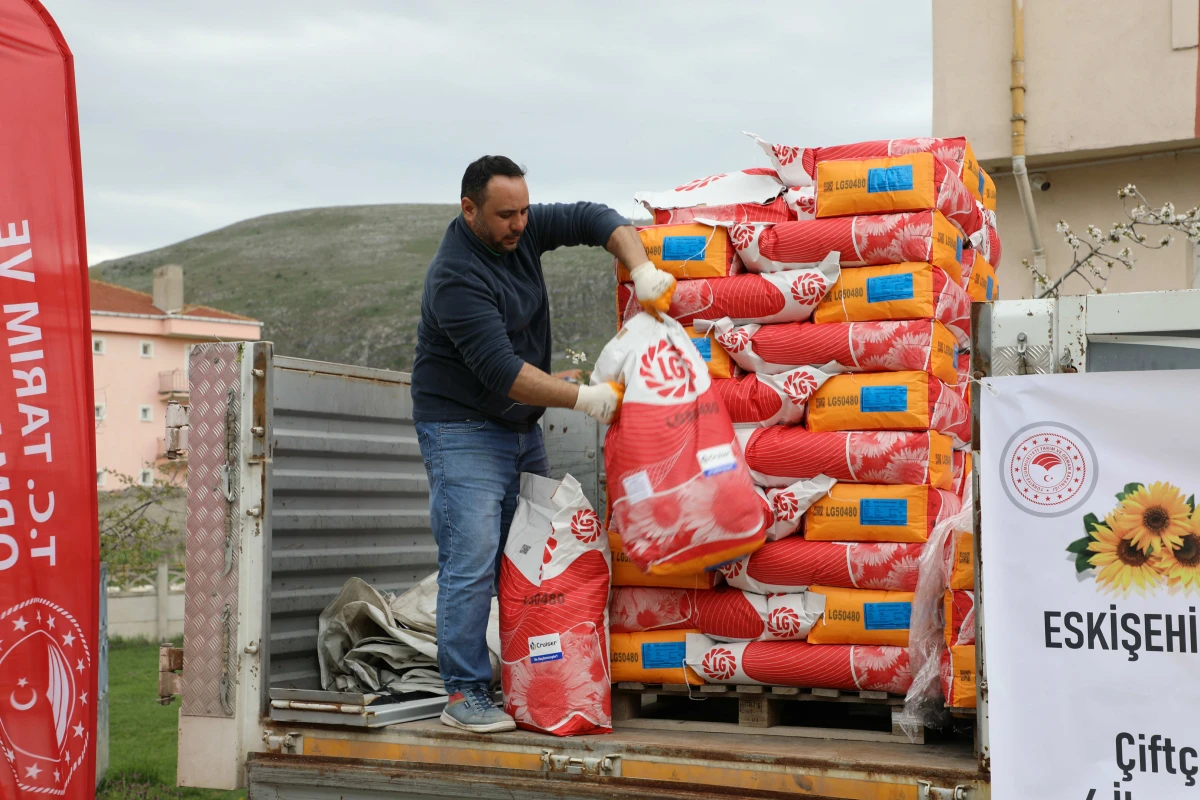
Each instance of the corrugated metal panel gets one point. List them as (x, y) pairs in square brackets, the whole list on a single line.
[(575, 445), (349, 498)]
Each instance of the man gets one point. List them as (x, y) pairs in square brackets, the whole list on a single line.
[(479, 385)]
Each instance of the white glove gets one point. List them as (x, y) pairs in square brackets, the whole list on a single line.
[(654, 288), (602, 402)]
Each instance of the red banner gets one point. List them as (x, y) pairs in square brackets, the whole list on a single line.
[(49, 548)]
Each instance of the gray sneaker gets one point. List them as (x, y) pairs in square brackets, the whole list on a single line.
[(472, 710)]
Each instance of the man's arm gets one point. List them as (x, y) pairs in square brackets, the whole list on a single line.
[(468, 315), (535, 388), (627, 246), (654, 287), (571, 224)]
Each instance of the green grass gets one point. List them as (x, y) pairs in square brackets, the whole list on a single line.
[(343, 284), (143, 734)]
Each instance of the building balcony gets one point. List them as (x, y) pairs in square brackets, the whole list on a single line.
[(173, 384)]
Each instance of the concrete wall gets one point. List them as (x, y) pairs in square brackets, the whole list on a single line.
[(133, 616), (1100, 75), (1088, 194)]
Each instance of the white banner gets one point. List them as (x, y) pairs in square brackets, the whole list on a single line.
[(1091, 578)]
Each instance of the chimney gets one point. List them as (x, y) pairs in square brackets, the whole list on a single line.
[(168, 288)]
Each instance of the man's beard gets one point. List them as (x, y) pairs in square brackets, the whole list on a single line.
[(485, 236)]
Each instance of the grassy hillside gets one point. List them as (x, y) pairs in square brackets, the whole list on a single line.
[(344, 284)]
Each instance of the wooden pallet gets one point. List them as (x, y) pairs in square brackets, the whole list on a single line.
[(761, 710)]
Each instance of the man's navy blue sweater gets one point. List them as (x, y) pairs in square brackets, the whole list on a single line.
[(485, 314)]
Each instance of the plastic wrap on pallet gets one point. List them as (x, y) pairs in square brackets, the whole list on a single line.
[(923, 704), (959, 613), (960, 560)]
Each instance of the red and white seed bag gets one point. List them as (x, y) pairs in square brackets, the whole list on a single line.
[(679, 492), (554, 581)]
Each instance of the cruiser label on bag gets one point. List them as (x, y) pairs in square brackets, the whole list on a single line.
[(886, 616), (879, 399), (887, 288), (547, 647), (879, 511), (715, 460), (663, 655), (683, 248)]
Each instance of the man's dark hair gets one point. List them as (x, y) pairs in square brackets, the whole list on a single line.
[(482, 170)]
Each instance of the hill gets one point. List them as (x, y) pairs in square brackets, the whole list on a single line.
[(344, 283)]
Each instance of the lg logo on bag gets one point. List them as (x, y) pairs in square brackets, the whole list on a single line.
[(666, 371)]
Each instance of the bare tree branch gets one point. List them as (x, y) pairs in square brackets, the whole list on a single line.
[(1094, 251)]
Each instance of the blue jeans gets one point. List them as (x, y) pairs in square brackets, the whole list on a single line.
[(474, 479)]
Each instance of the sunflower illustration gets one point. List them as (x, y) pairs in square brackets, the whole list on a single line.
[(1122, 564), (1181, 565), (1153, 517)]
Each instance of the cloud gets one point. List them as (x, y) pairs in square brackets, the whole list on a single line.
[(196, 116)]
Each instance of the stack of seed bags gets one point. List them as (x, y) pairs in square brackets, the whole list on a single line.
[(869, 393)]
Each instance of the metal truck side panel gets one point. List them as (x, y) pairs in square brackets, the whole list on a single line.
[(349, 498), (224, 686)]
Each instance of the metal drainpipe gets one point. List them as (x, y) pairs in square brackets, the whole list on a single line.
[(1020, 174)]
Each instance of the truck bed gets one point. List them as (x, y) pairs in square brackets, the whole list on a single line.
[(426, 759)]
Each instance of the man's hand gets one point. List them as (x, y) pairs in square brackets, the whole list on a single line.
[(654, 288), (602, 402)]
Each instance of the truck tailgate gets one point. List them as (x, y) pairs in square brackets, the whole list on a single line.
[(427, 759)]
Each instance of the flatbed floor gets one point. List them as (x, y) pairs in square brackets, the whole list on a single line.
[(436, 761)]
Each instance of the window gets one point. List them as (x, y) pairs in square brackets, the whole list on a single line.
[(147, 349), (100, 478), (101, 409), (97, 346), (146, 477), (146, 413)]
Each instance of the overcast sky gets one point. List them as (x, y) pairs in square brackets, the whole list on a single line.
[(197, 115)]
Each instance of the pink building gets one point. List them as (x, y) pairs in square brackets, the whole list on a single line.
[(140, 345)]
